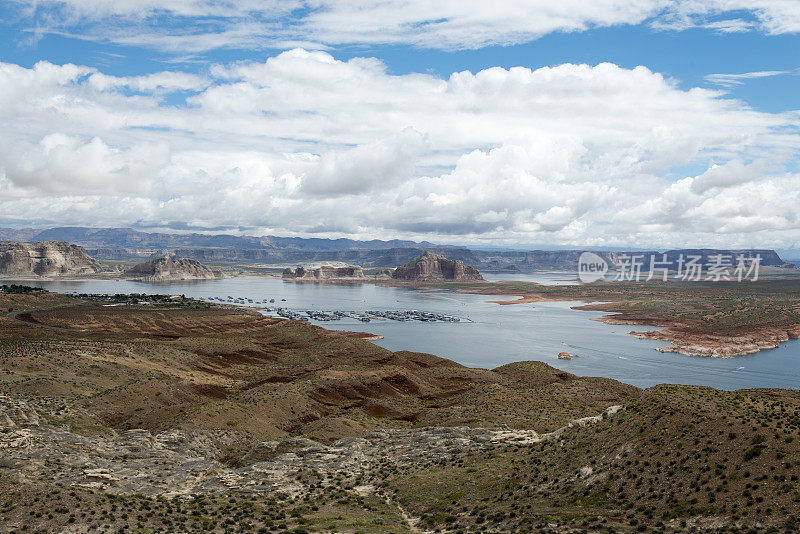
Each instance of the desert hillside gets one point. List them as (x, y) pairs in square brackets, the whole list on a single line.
[(175, 415)]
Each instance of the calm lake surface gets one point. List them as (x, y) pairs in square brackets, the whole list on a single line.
[(489, 335)]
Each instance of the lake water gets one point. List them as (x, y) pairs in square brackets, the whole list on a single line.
[(489, 335)]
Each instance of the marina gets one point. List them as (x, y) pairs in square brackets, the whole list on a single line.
[(338, 315), (364, 317)]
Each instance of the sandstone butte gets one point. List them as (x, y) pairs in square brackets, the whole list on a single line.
[(45, 258), (431, 267), (325, 272), (170, 267)]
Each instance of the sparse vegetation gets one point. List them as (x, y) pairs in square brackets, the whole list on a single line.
[(17, 289), (675, 458)]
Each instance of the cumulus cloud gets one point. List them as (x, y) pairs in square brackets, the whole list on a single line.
[(381, 164), (304, 144), (729, 174), (70, 166), (198, 25)]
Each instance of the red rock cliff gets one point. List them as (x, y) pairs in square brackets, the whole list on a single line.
[(430, 266)]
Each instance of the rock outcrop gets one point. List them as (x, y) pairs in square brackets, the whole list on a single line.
[(384, 274), (325, 272), (45, 258), (169, 268), (714, 345), (177, 462), (431, 267)]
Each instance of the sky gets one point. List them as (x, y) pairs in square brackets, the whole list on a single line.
[(604, 123)]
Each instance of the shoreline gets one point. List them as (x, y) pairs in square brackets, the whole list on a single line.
[(684, 340), (372, 337), (227, 275), (711, 345), (681, 340)]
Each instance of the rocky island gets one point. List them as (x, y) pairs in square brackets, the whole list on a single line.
[(432, 267), (45, 259), (171, 268), (324, 272)]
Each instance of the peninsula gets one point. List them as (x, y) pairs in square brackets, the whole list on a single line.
[(710, 319)]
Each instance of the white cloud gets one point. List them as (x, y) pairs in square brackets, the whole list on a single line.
[(381, 164), (730, 174), (140, 9), (305, 144), (769, 16), (729, 26), (732, 203), (729, 80), (464, 24), (199, 25), (157, 82), (67, 165)]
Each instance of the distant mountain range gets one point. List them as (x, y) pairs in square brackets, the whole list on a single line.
[(130, 244), (130, 238)]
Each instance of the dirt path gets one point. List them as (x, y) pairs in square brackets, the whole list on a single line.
[(411, 522), (14, 316)]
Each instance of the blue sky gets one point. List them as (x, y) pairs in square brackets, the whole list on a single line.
[(688, 149), (687, 55)]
